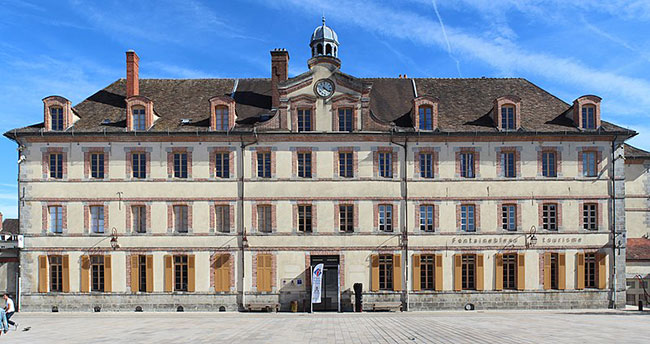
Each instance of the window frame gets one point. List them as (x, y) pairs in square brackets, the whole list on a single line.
[(555, 270), (97, 161), (588, 112), (142, 273), (467, 222), (509, 164), (180, 165), (264, 218), (385, 217), (139, 218), (304, 120), (509, 263), (508, 117), (181, 272), (222, 218), (97, 219), (591, 270), (222, 165), (345, 118), (346, 164), (386, 267), (97, 270), (346, 218), (56, 273), (425, 117), (549, 168), (509, 217), (56, 223), (590, 216), (589, 163), (468, 271), (429, 211), (467, 164), (56, 165), (139, 165), (57, 121), (550, 216), (426, 165), (304, 164), (221, 118), (385, 164), (181, 218), (264, 164), (428, 272), (305, 218)]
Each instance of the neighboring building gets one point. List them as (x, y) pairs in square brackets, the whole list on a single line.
[(9, 258), (637, 218), (223, 192)]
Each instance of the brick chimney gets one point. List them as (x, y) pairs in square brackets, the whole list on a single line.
[(279, 73), (1, 220), (132, 71)]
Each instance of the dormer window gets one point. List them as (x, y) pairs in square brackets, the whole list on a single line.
[(139, 119), (586, 112), (140, 114), (426, 118), (425, 113), (221, 118), (589, 117), (56, 118), (508, 117)]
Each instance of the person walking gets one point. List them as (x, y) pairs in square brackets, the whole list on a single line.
[(3, 322), (10, 309)]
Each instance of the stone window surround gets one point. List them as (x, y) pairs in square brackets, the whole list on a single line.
[(577, 110), (88, 151), (345, 101), (303, 102), (231, 215), (314, 216), (45, 217), (140, 101), (45, 162), (511, 100), (229, 103), (129, 214), (57, 101), (87, 218), (171, 220), (294, 161), (427, 101)]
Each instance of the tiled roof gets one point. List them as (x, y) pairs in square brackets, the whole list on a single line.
[(10, 226), (638, 249), (465, 104), (632, 152)]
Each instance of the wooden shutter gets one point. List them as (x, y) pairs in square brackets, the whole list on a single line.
[(264, 272), (547, 271), (561, 274), (397, 272), (225, 272), (479, 272), (135, 280), (108, 274), (602, 270), (580, 270), (498, 276), (42, 274), (149, 266), (85, 274), (458, 272), (374, 272), (191, 270), (169, 273), (416, 272), (66, 273), (521, 271), (438, 272)]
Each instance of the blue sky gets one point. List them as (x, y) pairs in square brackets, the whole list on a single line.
[(569, 48)]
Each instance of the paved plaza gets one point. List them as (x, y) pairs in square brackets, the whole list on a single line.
[(429, 327)]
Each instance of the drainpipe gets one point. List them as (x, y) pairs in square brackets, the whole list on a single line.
[(404, 234), (613, 225), (241, 228)]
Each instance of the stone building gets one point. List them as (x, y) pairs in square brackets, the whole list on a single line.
[(9, 258), (214, 194)]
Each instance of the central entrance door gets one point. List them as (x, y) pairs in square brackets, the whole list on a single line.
[(330, 291)]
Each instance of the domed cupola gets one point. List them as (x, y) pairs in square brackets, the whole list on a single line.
[(324, 42)]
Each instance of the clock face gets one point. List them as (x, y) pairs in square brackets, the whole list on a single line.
[(324, 88)]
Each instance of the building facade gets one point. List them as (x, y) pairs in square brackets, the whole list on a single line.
[(214, 194)]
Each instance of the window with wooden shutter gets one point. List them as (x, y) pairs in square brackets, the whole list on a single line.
[(438, 279), (264, 272), (479, 272), (135, 263), (85, 274), (521, 271), (222, 273), (56, 273), (580, 270), (66, 274), (191, 276), (602, 270), (42, 274), (149, 267), (416, 272), (397, 272), (108, 274), (169, 274), (561, 275), (498, 266), (458, 274), (374, 273), (547, 271)]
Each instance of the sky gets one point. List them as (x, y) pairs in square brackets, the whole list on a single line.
[(569, 48)]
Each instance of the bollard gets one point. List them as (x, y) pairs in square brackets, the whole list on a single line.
[(640, 306)]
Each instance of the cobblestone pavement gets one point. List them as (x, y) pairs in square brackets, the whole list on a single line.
[(420, 327)]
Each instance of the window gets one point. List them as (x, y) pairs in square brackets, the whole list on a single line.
[(591, 277), (385, 164), (56, 219), (264, 164), (221, 118), (304, 165), (304, 218), (56, 118), (555, 266), (549, 216), (549, 167), (304, 120), (427, 272), (467, 165), (181, 275), (56, 273), (385, 272), (346, 218), (139, 119), (426, 218), (180, 165), (590, 216), (509, 217), (97, 273), (508, 164), (345, 119), (426, 118), (589, 165), (508, 117), (385, 217), (467, 218), (180, 218), (142, 273), (589, 117), (345, 164), (222, 218), (97, 219), (426, 165), (139, 165), (97, 165), (468, 272), (510, 271), (222, 165), (139, 216), (56, 165), (264, 218)]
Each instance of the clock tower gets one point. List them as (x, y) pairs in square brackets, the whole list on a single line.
[(324, 46)]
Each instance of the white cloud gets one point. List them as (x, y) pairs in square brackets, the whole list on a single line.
[(166, 70)]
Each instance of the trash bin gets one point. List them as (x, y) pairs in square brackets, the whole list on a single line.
[(294, 306)]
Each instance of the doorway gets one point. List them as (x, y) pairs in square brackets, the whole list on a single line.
[(330, 292)]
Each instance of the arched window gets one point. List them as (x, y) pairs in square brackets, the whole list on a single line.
[(138, 121), (588, 117), (508, 117), (319, 49), (334, 51), (221, 118), (328, 49), (56, 118), (425, 118)]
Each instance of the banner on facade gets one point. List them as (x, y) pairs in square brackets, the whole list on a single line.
[(316, 283)]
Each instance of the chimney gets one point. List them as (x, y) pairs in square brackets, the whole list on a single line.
[(1, 220), (132, 71), (279, 73)]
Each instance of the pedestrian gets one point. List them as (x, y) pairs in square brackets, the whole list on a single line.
[(3, 321), (10, 309)]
